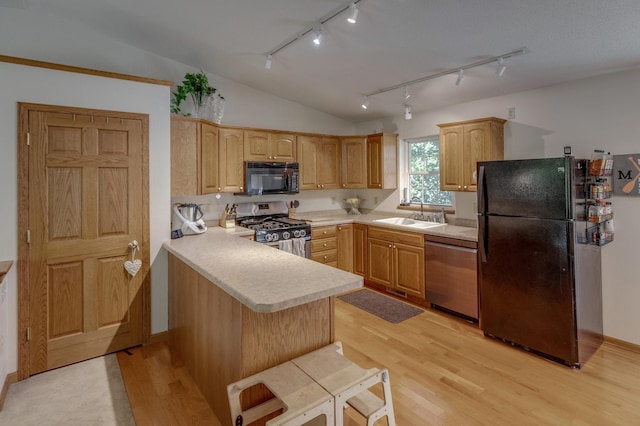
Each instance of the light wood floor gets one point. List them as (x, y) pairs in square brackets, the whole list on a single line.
[(443, 372)]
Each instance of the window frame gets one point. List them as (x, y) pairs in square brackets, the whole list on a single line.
[(408, 173)]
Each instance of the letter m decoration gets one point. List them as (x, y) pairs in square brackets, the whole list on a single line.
[(626, 176)]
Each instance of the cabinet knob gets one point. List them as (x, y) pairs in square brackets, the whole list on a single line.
[(324, 257), (465, 187), (344, 185), (241, 189), (324, 245), (219, 189), (379, 185), (322, 186), (459, 187), (318, 186), (275, 158), (389, 245), (339, 228), (324, 232)]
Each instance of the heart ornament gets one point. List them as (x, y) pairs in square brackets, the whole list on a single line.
[(133, 267)]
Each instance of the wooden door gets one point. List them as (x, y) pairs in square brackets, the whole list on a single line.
[(283, 147), (476, 148), (83, 199), (329, 171), (231, 160), (354, 162), (345, 247), (360, 249), (451, 148), (408, 269), (380, 258), (308, 158), (209, 164), (256, 146)]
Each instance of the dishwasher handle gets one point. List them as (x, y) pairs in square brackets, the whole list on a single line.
[(447, 246)]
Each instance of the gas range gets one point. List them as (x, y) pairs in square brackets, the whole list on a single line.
[(270, 222)]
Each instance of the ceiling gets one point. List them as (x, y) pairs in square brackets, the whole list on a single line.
[(393, 41)]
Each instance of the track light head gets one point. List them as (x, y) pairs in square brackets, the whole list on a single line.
[(268, 62), (502, 67), (406, 93), (407, 112), (365, 103), (317, 37), (460, 78), (353, 14)]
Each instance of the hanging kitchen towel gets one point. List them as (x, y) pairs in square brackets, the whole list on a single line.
[(298, 246), (285, 245)]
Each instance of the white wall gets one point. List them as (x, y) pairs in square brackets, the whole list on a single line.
[(28, 84), (601, 112)]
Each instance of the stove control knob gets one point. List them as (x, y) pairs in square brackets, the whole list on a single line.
[(286, 235), (267, 238), (296, 233), (303, 232), (275, 237)]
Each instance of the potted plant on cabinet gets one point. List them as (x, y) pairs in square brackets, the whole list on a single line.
[(204, 97)]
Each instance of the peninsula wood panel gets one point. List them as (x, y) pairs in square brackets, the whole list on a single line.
[(184, 156), (220, 340)]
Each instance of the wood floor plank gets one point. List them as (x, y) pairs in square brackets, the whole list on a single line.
[(443, 372)]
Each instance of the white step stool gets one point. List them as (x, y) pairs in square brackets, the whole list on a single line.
[(349, 383), (302, 399)]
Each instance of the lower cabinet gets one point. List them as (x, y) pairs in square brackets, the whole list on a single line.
[(333, 245), (324, 245), (396, 260)]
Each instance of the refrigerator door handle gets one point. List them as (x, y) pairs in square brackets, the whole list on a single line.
[(482, 240), (480, 188)]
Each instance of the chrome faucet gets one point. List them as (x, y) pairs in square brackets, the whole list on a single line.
[(415, 215)]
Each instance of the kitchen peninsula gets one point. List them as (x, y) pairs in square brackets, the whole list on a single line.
[(237, 308)]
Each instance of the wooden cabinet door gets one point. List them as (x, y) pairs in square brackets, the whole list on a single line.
[(329, 163), (476, 148), (256, 146), (451, 151), (231, 161), (184, 154), (345, 247), (283, 147), (209, 167), (374, 161), (360, 249), (354, 162), (308, 159), (408, 269), (380, 262)]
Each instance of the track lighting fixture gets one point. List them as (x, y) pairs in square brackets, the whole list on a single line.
[(406, 93), (501, 67), (407, 112), (365, 102), (317, 37), (267, 64), (353, 13), (458, 70), (316, 29)]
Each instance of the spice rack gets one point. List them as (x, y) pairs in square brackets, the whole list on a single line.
[(597, 211)]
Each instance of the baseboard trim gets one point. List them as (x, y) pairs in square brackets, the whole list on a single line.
[(8, 381), (623, 344), (159, 337)]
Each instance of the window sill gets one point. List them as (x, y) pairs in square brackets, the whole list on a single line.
[(427, 208)]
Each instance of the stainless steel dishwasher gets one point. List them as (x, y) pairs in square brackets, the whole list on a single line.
[(451, 275)]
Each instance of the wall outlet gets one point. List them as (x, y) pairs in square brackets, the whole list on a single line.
[(512, 113)]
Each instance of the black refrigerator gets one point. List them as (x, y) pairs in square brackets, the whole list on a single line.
[(539, 284)]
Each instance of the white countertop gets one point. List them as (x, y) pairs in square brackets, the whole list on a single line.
[(444, 230), (261, 277)]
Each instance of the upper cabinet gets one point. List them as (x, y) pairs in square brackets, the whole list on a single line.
[(462, 145), (354, 161), (205, 159), (269, 146), (319, 158), (381, 161)]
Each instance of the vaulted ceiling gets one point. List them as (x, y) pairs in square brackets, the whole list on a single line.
[(393, 41)]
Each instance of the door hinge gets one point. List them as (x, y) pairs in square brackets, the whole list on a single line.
[(28, 334), (28, 236), (28, 138)]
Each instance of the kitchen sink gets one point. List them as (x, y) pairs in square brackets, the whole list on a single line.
[(408, 222)]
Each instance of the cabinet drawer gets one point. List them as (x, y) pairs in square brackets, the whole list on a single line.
[(324, 232), (410, 238), (323, 244), (326, 256)]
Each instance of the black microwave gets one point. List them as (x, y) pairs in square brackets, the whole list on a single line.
[(263, 178)]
